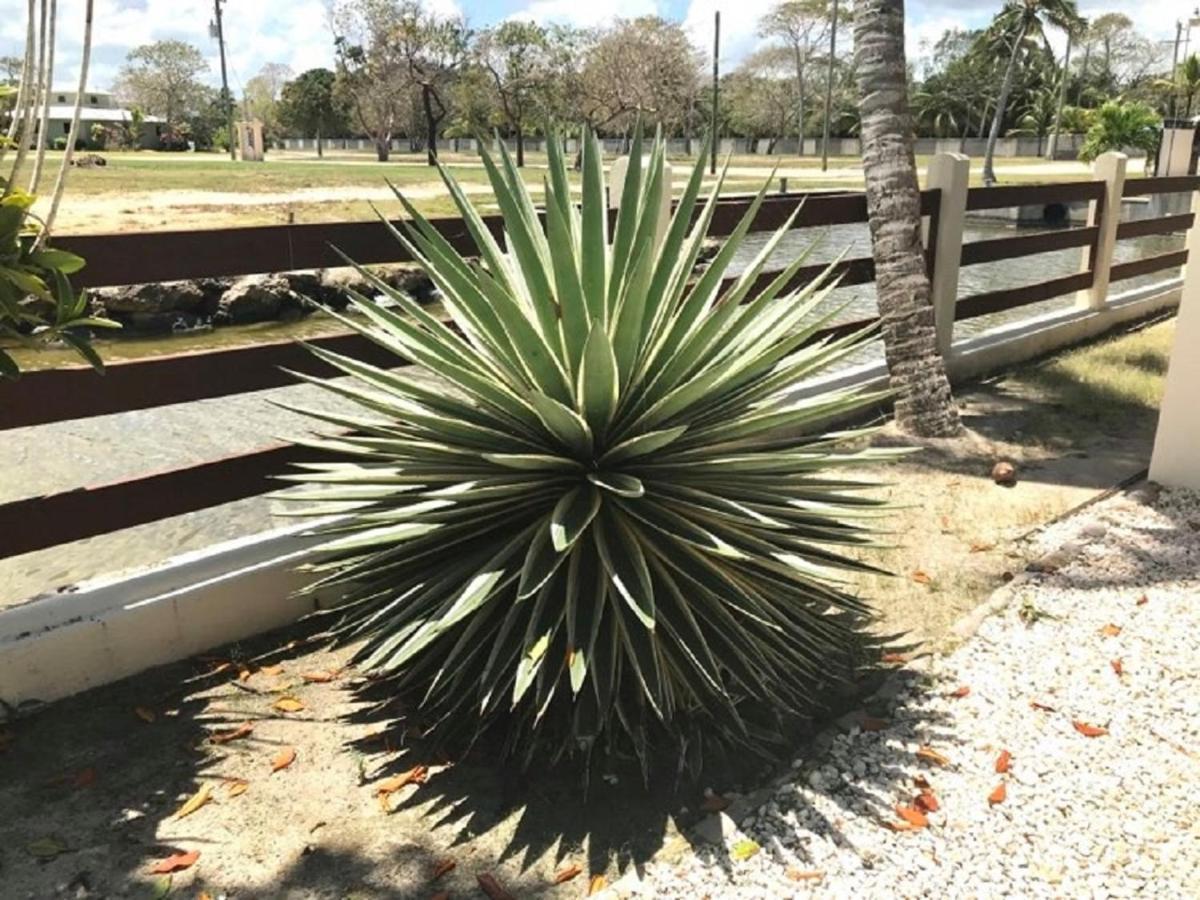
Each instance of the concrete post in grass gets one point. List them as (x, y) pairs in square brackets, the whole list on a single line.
[(1176, 459), (1109, 168), (616, 188), (950, 173)]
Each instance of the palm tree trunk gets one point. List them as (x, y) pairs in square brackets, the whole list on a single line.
[(1062, 96), (60, 182), (989, 157), (35, 179), (924, 404)]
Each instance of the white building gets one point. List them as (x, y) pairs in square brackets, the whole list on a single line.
[(99, 107)]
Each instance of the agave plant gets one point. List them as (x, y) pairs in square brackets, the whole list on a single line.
[(590, 514)]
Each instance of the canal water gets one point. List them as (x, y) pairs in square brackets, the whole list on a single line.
[(65, 455)]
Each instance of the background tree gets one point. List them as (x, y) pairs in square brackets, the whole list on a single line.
[(309, 106), (802, 28), (515, 55), (1019, 22), (760, 95), (163, 79), (434, 49), (1123, 125), (924, 404), (261, 97)]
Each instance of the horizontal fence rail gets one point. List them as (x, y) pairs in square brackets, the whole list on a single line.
[(48, 396)]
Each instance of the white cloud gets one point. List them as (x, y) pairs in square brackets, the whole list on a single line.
[(739, 27), (583, 13)]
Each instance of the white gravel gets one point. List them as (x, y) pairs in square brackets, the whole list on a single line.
[(1114, 815)]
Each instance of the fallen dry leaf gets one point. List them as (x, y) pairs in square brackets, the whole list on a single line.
[(441, 895), (288, 704), (145, 713), (1143, 600), (998, 794), (237, 787), (490, 886), (1110, 630), (194, 802), (244, 674), (231, 734), (926, 801), (204, 895), (894, 658), (901, 826), (441, 868), (566, 874), (912, 816), (921, 782), (596, 885), (931, 755), (805, 874), (1089, 730), (1117, 666), (283, 759), (271, 670), (714, 803), (960, 692), (1003, 761), (981, 547), (415, 775), (870, 723), (176, 863), (318, 677), (84, 778), (1033, 704), (921, 577)]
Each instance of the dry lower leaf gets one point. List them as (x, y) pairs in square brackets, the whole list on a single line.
[(894, 657), (1110, 630), (566, 874), (415, 775), (921, 577), (597, 884), (176, 863), (441, 868), (288, 704), (237, 787), (195, 801), (926, 801), (145, 713), (931, 755), (1034, 704), (1003, 761), (1118, 666), (912, 816), (960, 692), (1143, 600), (231, 734), (318, 677), (1089, 730), (283, 759), (998, 794), (805, 874), (494, 889)]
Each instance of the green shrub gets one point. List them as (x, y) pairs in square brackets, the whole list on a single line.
[(598, 523), (1122, 125), (60, 143)]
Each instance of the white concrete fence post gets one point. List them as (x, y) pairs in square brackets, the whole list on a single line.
[(616, 187), (1109, 168), (950, 173), (1176, 458)]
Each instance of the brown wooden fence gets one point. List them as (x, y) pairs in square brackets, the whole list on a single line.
[(56, 395)]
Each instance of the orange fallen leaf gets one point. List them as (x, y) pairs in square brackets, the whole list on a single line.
[(145, 713), (981, 547), (921, 577), (928, 753), (900, 826), (1089, 730), (566, 874), (960, 692), (1143, 600), (912, 816), (921, 782), (271, 670), (1033, 704), (244, 673), (441, 868), (194, 802), (490, 886), (1110, 630), (204, 895), (596, 885), (231, 734), (714, 803), (998, 794), (805, 874), (894, 657), (1003, 761), (288, 704), (175, 863), (415, 775), (926, 801), (1117, 666), (318, 677), (237, 787), (84, 778), (283, 759), (870, 723)]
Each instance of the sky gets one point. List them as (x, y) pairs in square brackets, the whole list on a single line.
[(297, 32)]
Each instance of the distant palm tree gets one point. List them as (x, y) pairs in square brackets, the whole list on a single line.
[(1121, 125), (1037, 115), (1186, 81), (1020, 21), (924, 403)]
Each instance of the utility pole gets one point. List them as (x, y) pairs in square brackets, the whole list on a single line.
[(828, 90), (226, 97), (716, 91)]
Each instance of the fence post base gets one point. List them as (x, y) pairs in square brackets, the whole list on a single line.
[(949, 173), (1106, 213)]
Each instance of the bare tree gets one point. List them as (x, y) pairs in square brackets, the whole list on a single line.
[(802, 26), (924, 404), (515, 55)]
